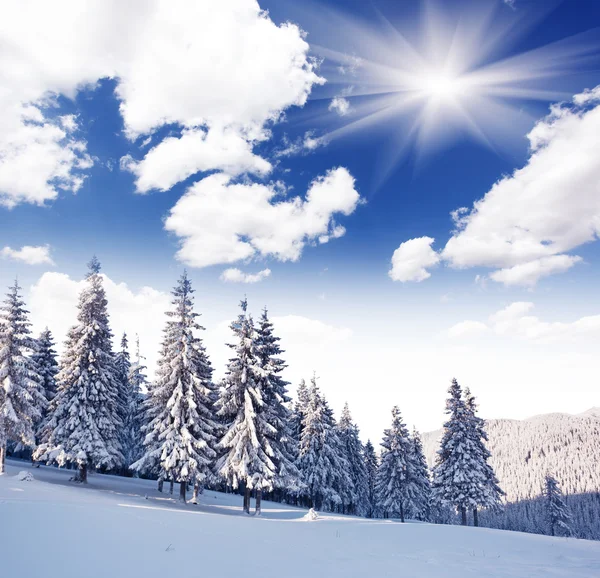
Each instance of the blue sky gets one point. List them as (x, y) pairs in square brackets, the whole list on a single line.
[(446, 134)]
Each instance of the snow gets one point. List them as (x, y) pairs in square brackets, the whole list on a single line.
[(109, 528), (24, 476)]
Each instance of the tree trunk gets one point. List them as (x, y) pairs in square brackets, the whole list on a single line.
[(475, 517), (160, 485), (82, 474), (258, 500), (247, 492), (402, 512), (182, 490), (463, 515), (194, 499), (171, 487), (2, 458), (551, 529)]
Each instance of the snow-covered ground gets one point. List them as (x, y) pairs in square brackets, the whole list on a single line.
[(116, 527)]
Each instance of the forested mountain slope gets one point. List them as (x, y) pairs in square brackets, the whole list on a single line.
[(523, 451)]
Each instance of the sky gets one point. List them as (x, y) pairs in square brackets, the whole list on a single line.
[(411, 188)]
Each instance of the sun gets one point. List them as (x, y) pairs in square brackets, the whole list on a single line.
[(448, 76)]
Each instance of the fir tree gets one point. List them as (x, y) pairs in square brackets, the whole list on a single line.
[(133, 440), (276, 401), (84, 426), (248, 453), (180, 432), (371, 465), (394, 485), (123, 367), (22, 399), (358, 490), (321, 457), (420, 477), (558, 515), (44, 358), (458, 476), (487, 494)]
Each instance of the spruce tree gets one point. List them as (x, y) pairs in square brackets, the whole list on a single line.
[(180, 435), (84, 426), (487, 494), (420, 477), (321, 456), (248, 453), (123, 366), (558, 515), (394, 484), (133, 439), (22, 399), (358, 490), (371, 465), (44, 358), (457, 476), (276, 402)]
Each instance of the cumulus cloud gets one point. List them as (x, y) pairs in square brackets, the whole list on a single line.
[(516, 321), (237, 276), (194, 64), (302, 145), (176, 158), (28, 254), (340, 105), (411, 260), (527, 223), (221, 221)]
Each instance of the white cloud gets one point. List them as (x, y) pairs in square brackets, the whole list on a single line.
[(176, 158), (340, 105), (528, 274), (516, 321), (238, 276), (298, 331), (528, 222), (196, 64), (28, 254), (53, 303), (302, 145), (411, 260), (221, 221), (467, 329)]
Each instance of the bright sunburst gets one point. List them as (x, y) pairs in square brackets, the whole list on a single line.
[(448, 76)]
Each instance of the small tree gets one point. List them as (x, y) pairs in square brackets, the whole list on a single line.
[(558, 514), (454, 477), (488, 493), (395, 487), (249, 456), (44, 358), (84, 426), (371, 465), (358, 490), (22, 399), (180, 434), (420, 476)]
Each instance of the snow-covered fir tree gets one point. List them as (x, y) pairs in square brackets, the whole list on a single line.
[(22, 399), (558, 515), (321, 456), (395, 488), (276, 405), (133, 439), (84, 426), (180, 433), (358, 501), (458, 478), (487, 494), (420, 505), (371, 465), (123, 367), (247, 446), (44, 358)]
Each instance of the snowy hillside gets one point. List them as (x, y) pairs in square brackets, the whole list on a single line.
[(523, 451), (122, 527)]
